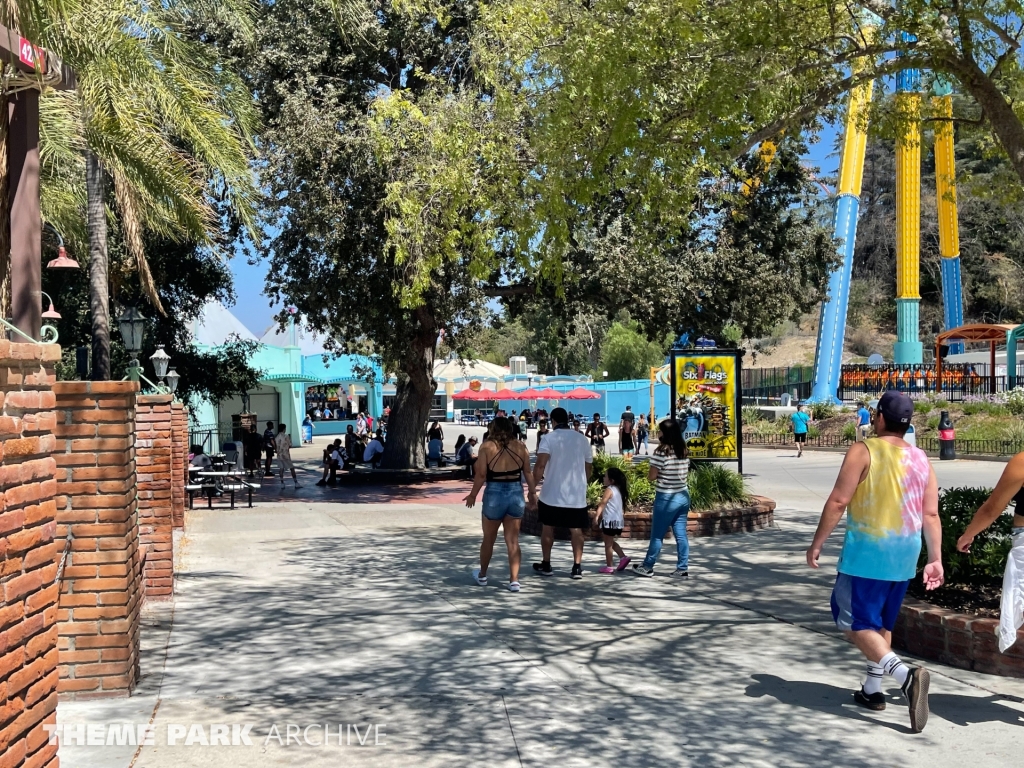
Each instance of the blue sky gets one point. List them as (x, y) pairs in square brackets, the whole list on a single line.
[(254, 310)]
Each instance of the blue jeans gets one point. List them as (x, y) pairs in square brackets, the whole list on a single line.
[(504, 499), (670, 509)]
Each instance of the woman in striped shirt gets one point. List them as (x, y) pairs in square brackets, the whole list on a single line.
[(670, 466)]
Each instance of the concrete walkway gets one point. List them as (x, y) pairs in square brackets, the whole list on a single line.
[(321, 609)]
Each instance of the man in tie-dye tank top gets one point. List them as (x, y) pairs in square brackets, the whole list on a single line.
[(890, 495)]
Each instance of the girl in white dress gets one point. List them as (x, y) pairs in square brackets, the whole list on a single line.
[(611, 516)]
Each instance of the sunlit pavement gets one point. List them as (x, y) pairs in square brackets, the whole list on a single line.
[(355, 609)]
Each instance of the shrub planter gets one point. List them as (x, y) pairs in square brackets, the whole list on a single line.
[(956, 639), (758, 514)]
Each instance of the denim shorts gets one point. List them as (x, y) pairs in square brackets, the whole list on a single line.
[(504, 499)]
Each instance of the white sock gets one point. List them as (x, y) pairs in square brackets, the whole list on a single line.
[(893, 667), (873, 682)]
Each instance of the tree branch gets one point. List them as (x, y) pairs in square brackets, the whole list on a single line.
[(502, 291)]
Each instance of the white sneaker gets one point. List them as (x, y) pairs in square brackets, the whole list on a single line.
[(513, 586), (481, 580)]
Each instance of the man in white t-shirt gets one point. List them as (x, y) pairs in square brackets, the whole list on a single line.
[(564, 461)]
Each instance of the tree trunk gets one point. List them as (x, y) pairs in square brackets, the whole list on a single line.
[(407, 426), (99, 302)]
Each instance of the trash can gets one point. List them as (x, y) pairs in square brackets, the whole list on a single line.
[(947, 437)]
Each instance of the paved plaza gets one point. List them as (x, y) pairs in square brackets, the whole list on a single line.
[(355, 607)]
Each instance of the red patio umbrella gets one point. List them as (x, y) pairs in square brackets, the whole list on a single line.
[(581, 394), (467, 394), (505, 394), (550, 394), (530, 394)]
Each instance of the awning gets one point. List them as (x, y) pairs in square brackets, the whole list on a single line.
[(294, 378)]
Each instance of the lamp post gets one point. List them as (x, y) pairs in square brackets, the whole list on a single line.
[(133, 327), (172, 380), (160, 360), (51, 313)]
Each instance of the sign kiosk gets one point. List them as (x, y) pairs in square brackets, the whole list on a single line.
[(706, 400)]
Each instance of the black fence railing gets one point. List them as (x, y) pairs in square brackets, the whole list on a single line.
[(975, 447), (772, 383), (210, 436), (959, 381), (821, 441), (929, 444)]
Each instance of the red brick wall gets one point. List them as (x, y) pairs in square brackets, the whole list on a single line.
[(956, 639), (102, 590), (179, 456), (154, 464), (28, 555)]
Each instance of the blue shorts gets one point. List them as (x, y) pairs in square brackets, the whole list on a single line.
[(504, 499), (859, 603)]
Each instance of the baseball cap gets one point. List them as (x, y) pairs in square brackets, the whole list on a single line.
[(896, 407)]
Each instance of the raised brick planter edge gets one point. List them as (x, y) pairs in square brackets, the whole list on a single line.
[(760, 513), (956, 639)]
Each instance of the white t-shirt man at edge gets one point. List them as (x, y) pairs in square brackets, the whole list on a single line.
[(565, 476)]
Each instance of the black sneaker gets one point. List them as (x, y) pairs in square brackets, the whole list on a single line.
[(680, 574), (577, 571), (321, 483), (544, 569), (873, 701), (916, 691), (639, 570)]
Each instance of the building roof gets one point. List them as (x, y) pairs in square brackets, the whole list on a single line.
[(216, 324), (455, 370), (306, 340)]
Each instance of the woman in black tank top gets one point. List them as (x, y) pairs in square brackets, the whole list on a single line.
[(1010, 488), (503, 463)]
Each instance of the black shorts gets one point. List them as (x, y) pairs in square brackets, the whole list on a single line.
[(563, 517), (611, 531), (800, 437)]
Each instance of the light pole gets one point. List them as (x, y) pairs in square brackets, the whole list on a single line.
[(132, 325)]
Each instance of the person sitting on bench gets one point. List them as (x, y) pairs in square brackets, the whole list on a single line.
[(434, 448), (374, 451), (200, 459)]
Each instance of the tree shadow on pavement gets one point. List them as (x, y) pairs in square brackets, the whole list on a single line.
[(338, 628)]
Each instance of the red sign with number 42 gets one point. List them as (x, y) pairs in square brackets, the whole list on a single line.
[(30, 55)]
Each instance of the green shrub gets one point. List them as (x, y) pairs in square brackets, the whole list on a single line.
[(766, 427), (985, 562), (850, 432), (982, 406), (1014, 430), (751, 414), (712, 483), (813, 433), (933, 422), (1015, 401), (641, 490), (602, 461), (823, 411)]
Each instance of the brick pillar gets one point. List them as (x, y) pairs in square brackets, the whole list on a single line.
[(102, 590), (28, 555), (179, 456), (154, 462)]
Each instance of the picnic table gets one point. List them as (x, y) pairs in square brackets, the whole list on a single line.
[(216, 483)]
